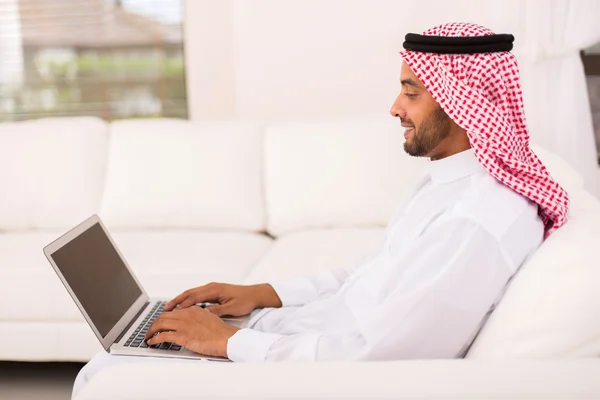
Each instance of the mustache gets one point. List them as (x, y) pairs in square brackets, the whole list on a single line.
[(406, 122)]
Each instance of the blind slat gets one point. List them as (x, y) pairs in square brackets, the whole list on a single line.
[(130, 55)]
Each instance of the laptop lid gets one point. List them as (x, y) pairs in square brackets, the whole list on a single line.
[(98, 278)]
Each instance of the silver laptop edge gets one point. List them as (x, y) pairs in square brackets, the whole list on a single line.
[(119, 333)]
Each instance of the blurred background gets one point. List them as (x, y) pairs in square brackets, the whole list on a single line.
[(276, 60), (591, 62), (107, 58), (270, 60)]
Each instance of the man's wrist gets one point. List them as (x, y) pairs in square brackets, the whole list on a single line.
[(267, 297)]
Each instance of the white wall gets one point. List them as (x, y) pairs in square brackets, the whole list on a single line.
[(278, 59), (290, 59), (315, 58), (208, 33)]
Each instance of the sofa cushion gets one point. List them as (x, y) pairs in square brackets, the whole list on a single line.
[(552, 306), (375, 380), (175, 173), (166, 263), (560, 170), (51, 171), (581, 201), (311, 251), (27, 281), (48, 341), (336, 173)]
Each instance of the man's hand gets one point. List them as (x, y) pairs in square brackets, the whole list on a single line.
[(233, 300), (194, 328)]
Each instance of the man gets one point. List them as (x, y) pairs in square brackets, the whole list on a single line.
[(484, 207)]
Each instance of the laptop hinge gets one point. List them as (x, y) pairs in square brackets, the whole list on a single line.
[(131, 322)]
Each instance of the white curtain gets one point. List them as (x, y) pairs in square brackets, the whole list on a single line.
[(549, 35)]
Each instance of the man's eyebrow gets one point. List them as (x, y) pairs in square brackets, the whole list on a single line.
[(410, 82)]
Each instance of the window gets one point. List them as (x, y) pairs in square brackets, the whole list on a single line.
[(591, 63), (107, 58)]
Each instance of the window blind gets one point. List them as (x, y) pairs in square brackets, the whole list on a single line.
[(107, 58)]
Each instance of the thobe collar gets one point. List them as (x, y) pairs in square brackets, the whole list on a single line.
[(454, 167)]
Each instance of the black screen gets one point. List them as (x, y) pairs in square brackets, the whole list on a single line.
[(98, 277)]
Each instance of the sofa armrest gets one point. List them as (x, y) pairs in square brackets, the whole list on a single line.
[(435, 379)]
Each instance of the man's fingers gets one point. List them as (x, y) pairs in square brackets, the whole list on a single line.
[(173, 303), (172, 337), (189, 298), (162, 324), (219, 310), (190, 301)]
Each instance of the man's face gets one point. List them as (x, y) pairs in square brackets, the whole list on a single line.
[(427, 125)]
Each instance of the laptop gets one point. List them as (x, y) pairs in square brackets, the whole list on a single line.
[(109, 295)]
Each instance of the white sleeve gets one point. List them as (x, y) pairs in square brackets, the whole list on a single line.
[(457, 272), (303, 290)]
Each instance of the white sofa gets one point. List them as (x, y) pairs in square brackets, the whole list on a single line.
[(235, 201)]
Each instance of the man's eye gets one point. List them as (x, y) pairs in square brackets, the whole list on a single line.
[(410, 95)]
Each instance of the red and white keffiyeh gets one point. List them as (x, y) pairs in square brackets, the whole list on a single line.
[(482, 94)]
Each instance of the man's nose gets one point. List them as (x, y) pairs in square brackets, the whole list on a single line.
[(397, 110)]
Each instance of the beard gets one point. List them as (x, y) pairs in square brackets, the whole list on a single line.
[(434, 129)]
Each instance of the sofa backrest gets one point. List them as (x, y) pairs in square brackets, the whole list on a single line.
[(169, 173), (336, 173), (51, 172), (550, 309), (161, 173)]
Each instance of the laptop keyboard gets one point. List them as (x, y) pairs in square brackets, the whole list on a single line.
[(137, 337)]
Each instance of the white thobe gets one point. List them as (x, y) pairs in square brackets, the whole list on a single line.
[(448, 254)]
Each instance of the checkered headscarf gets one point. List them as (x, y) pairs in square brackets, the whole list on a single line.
[(482, 94)]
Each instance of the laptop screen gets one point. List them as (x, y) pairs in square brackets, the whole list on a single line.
[(98, 277)]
